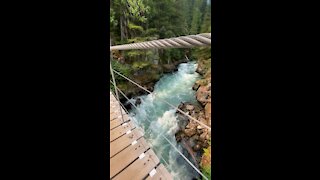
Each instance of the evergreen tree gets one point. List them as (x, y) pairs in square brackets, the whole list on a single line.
[(196, 17)]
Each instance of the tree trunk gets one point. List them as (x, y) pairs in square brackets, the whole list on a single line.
[(122, 31), (121, 28)]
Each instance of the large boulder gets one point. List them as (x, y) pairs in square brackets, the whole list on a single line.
[(200, 69), (189, 107), (203, 136), (191, 125), (203, 95), (167, 68), (182, 121), (190, 132), (203, 120), (138, 101)]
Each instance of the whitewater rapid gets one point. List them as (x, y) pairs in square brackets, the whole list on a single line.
[(173, 88)]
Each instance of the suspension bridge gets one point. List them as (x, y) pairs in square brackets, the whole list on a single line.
[(131, 157)]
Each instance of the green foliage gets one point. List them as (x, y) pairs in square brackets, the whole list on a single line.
[(136, 39), (206, 23), (201, 53), (113, 20), (151, 32), (174, 54), (135, 27), (206, 152), (137, 65), (134, 53), (112, 88), (122, 86), (202, 82), (149, 53), (138, 9), (196, 18), (122, 68), (206, 171)]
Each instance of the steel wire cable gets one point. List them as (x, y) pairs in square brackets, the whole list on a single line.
[(189, 41)]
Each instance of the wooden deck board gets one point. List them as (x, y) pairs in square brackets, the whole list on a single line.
[(115, 123), (121, 130), (118, 121), (124, 141), (117, 115), (140, 168), (125, 157)]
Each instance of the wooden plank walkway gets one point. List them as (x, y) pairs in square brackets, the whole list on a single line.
[(130, 155)]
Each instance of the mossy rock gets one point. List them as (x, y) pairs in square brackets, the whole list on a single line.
[(208, 74), (205, 163), (202, 82), (140, 65)]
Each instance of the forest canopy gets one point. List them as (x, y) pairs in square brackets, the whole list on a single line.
[(142, 20)]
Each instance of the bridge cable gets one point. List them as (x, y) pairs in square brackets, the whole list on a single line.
[(189, 41), (115, 85)]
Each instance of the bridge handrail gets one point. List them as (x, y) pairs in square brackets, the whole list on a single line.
[(189, 41)]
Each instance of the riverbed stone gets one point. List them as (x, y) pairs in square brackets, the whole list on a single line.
[(197, 147), (195, 137), (199, 127), (168, 68), (190, 132), (181, 105), (202, 95), (203, 120), (195, 86), (138, 101), (189, 107), (203, 137), (192, 124), (209, 87)]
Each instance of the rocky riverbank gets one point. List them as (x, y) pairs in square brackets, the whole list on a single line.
[(196, 138)]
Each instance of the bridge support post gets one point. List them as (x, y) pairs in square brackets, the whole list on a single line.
[(115, 85)]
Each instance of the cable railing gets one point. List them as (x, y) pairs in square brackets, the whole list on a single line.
[(178, 42)]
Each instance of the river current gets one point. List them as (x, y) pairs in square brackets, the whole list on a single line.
[(156, 118)]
